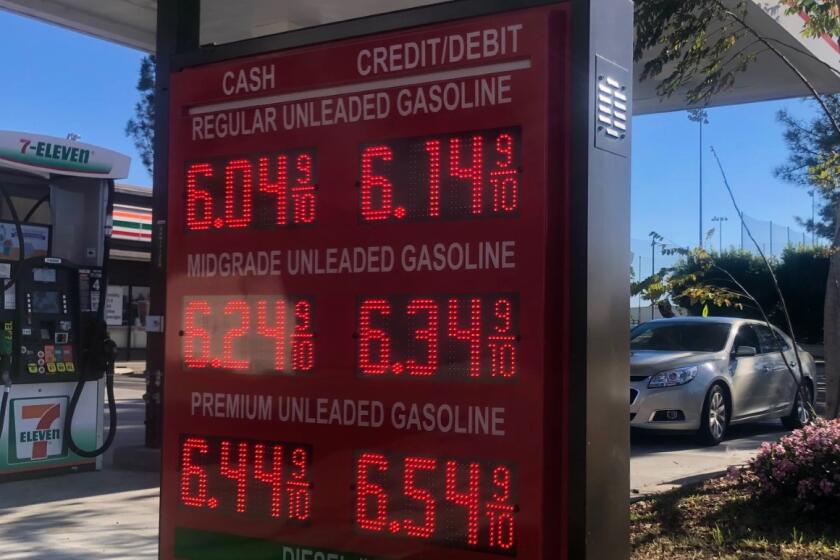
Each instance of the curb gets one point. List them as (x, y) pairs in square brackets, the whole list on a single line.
[(678, 484)]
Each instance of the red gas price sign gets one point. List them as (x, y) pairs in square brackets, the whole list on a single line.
[(357, 289)]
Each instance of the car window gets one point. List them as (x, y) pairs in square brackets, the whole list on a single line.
[(747, 337), (681, 337), (770, 340)]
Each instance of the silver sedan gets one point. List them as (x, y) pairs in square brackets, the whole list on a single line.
[(705, 374)]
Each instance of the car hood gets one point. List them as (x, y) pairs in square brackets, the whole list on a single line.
[(649, 362)]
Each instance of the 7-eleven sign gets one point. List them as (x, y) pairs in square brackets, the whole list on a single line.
[(37, 429)]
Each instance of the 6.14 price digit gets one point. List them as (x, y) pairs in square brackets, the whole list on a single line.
[(449, 177)]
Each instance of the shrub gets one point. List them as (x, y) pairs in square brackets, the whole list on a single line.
[(803, 466)]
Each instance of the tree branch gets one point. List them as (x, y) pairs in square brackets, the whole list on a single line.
[(787, 62), (769, 269)]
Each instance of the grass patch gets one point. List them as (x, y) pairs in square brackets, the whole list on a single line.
[(720, 520)]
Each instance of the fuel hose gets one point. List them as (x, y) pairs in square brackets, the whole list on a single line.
[(102, 357)]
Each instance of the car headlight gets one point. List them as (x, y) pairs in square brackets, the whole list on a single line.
[(673, 377)]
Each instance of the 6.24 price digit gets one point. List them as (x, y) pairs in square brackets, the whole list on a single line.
[(254, 333)]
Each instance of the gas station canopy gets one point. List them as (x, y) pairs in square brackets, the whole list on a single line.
[(132, 23)]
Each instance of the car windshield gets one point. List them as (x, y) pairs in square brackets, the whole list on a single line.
[(685, 337)]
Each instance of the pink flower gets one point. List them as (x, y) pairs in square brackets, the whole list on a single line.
[(803, 466)]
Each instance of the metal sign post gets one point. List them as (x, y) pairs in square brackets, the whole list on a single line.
[(396, 260)]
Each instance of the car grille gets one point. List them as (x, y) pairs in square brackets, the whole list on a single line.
[(635, 378), (633, 394)]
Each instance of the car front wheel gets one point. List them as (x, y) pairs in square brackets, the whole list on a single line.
[(715, 417)]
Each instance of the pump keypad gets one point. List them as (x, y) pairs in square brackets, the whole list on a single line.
[(48, 335)]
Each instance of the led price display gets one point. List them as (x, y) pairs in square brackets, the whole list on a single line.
[(246, 477), (262, 191), (376, 253), (470, 175), (463, 338), (254, 333), (458, 503)]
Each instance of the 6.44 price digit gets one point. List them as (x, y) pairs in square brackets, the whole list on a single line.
[(258, 478)]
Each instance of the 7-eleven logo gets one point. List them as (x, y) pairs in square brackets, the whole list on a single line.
[(37, 429)]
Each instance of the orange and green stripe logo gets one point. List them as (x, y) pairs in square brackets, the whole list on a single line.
[(132, 223)]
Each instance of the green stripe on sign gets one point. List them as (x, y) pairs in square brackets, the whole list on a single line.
[(134, 225), (193, 544)]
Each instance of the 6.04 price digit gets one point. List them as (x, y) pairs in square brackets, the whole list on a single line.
[(261, 191)]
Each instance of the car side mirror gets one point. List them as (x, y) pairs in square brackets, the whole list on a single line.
[(745, 352)]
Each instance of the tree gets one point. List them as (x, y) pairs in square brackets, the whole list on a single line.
[(802, 273), (700, 47), (701, 280), (142, 128), (691, 45), (811, 163)]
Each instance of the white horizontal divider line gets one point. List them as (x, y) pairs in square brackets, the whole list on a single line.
[(364, 86)]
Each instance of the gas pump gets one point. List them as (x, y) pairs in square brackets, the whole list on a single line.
[(56, 360)]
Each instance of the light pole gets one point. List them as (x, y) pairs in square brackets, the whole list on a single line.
[(813, 194), (700, 116), (720, 220), (655, 239), (640, 295)]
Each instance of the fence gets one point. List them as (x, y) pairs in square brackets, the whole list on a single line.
[(771, 237)]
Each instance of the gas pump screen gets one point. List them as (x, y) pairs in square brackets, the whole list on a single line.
[(43, 274), (46, 302), (357, 282)]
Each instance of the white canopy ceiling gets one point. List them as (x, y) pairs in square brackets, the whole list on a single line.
[(132, 23)]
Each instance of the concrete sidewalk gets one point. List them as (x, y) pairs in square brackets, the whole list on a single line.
[(131, 368), (114, 513), (95, 515), (108, 514)]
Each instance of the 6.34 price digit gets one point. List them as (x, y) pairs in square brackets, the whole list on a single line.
[(466, 338)]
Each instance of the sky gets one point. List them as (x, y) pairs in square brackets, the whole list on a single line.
[(57, 81)]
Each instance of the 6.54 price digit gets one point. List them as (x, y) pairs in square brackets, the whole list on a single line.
[(467, 504)]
